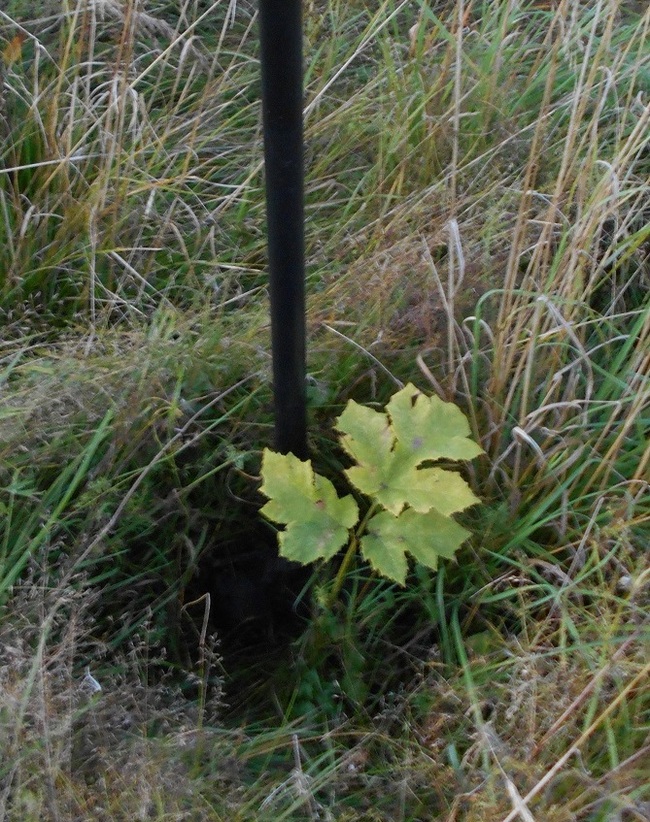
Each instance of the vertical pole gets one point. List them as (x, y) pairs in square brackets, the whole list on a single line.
[(282, 102)]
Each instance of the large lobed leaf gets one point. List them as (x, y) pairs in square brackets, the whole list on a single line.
[(429, 428), (425, 536), (389, 449), (316, 519)]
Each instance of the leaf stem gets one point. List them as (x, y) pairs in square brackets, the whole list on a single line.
[(341, 574), (349, 555)]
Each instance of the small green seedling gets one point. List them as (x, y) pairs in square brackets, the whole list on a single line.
[(411, 501)]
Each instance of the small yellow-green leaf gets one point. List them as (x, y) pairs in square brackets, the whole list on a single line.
[(312, 539), (367, 438), (384, 547), (316, 519), (389, 456), (433, 535), (368, 432), (385, 481), (425, 536), (446, 491), (289, 485), (430, 428), (397, 483)]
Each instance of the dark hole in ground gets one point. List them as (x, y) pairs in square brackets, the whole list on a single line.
[(259, 604)]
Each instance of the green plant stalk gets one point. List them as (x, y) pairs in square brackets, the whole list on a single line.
[(349, 555)]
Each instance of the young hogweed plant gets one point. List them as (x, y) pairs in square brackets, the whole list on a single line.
[(410, 502)]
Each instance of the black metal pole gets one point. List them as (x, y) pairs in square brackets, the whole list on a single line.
[(282, 102)]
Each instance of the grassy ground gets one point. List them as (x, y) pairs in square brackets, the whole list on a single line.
[(478, 223)]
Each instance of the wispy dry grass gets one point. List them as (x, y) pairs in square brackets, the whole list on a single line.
[(118, 135), (79, 744)]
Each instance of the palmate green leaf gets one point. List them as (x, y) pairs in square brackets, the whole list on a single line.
[(425, 536), (316, 519), (393, 481), (429, 428), (368, 439), (390, 451), (442, 490)]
